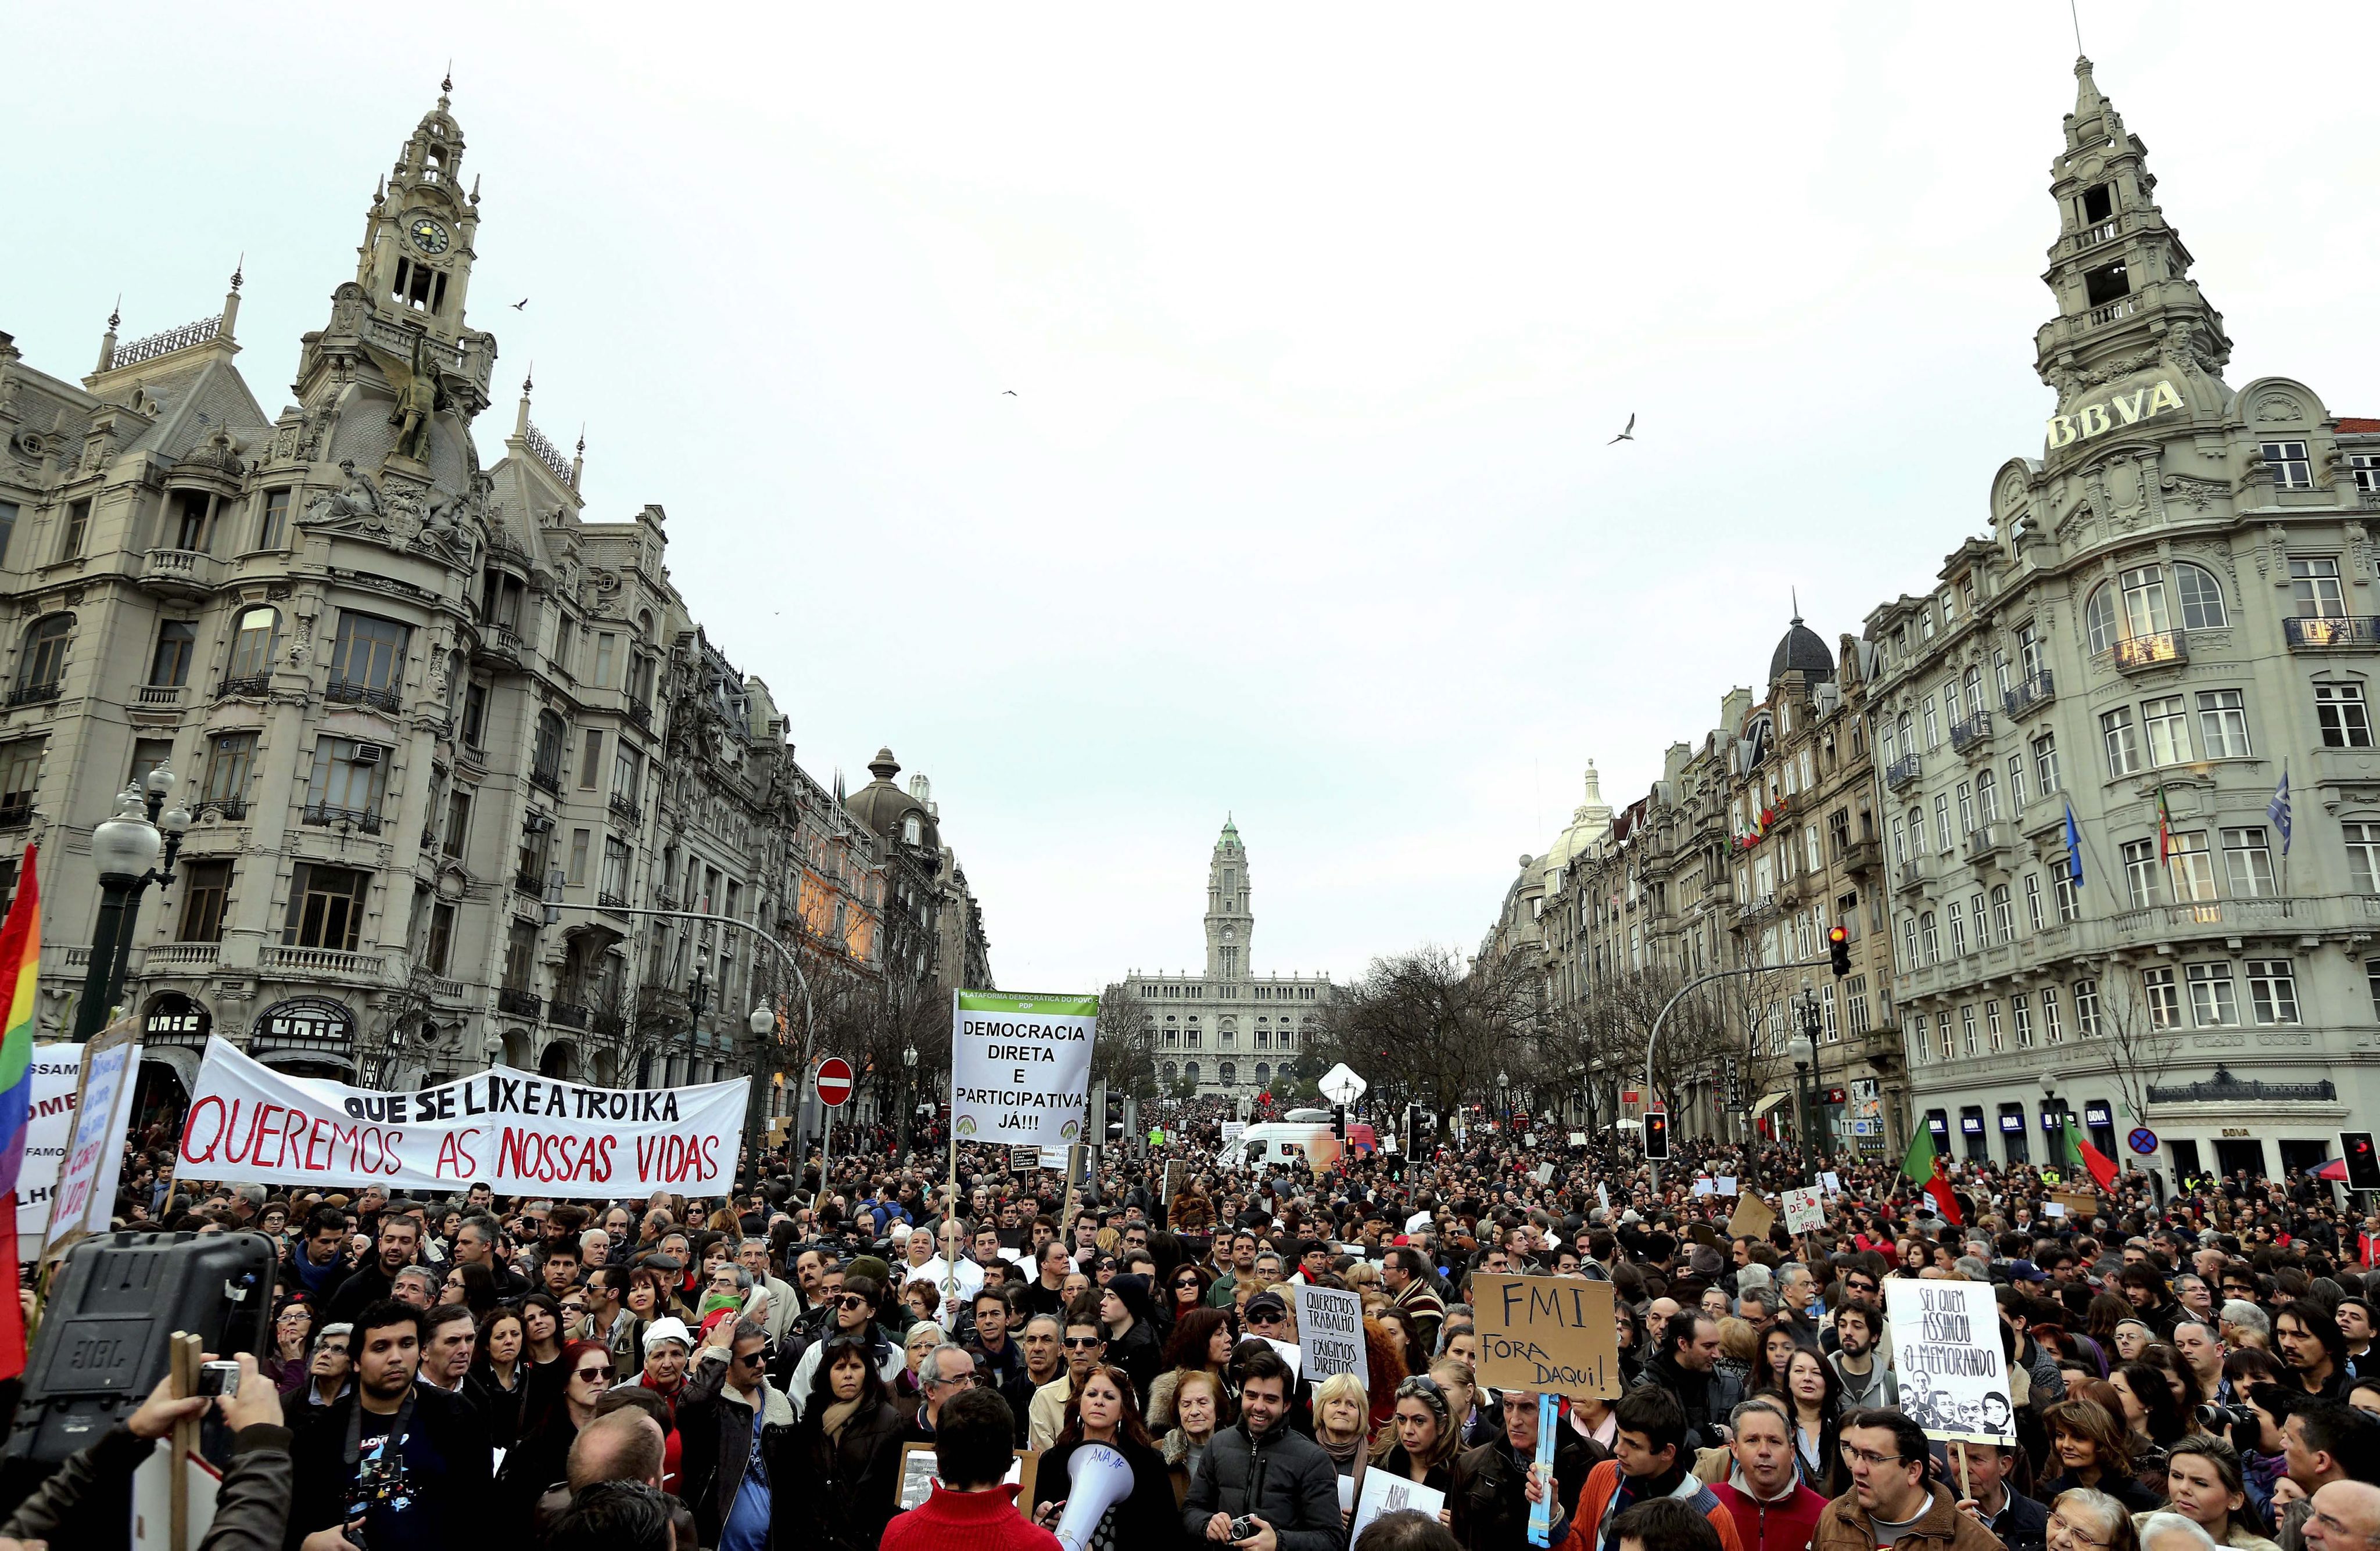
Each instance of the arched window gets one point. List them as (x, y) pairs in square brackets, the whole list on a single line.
[(1917, 830), (46, 654), (1191, 1072), (2202, 598), (2145, 606), (1264, 1074), (253, 637), (911, 830), (2099, 621), (1170, 1071)]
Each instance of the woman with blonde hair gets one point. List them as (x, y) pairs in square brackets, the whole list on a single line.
[(1339, 1426), (1424, 1439)]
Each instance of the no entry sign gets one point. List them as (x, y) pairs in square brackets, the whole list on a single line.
[(834, 1082)]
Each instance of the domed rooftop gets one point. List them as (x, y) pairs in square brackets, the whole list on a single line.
[(1589, 822), (1802, 651), (887, 809)]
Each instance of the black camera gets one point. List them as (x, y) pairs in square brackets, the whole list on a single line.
[(1243, 1527), (2226, 1417)]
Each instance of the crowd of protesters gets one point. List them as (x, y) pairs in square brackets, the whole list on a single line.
[(2189, 1367)]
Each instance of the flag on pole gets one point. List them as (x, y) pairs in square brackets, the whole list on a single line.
[(2278, 812), (21, 977), (2084, 1155), (2164, 826), (1925, 1169), (2074, 849)]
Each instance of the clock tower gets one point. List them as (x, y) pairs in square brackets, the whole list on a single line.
[(415, 259), (1230, 923)]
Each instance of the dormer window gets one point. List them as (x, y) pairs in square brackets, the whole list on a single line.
[(911, 830), (2098, 204), (419, 287)]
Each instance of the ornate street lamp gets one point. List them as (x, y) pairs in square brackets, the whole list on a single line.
[(173, 824), (908, 1094), (125, 849)]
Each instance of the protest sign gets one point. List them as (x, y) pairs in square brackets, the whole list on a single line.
[(1387, 1492), (1728, 1184), (1752, 1219), (1550, 1334), (1831, 1182), (1803, 1211), (1945, 1349), (56, 1074), (1021, 1067), (2052, 1208), (1291, 1353), (1544, 1173), (521, 1132), (1330, 1331), (2080, 1203), (94, 1155), (1702, 1186)]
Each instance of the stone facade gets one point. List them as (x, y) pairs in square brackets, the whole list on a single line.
[(1229, 1030), (440, 729)]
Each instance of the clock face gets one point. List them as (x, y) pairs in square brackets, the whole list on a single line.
[(426, 235)]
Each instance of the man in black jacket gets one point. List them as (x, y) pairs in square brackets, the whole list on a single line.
[(1262, 1468), (410, 1463), (1488, 1499), (2021, 1523), (1686, 1367), (370, 1284)]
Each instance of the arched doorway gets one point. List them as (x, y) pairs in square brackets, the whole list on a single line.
[(559, 1059), (520, 1049)]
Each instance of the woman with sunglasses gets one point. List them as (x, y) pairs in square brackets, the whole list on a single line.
[(831, 1475), (542, 1456), (1420, 1444), (1101, 1411), (498, 1382), (1186, 1288), (1201, 1344)]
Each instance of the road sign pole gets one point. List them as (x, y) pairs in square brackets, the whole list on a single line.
[(826, 1142)]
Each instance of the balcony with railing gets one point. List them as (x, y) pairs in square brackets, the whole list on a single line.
[(36, 693), (609, 1024), (1761, 907), (1902, 771), (2113, 312), (2028, 697), (2332, 633), (606, 900), (2140, 654), (501, 643), (355, 692), (569, 1015), (642, 714), (438, 987), (324, 816), (230, 809), (2098, 236), (519, 1003), (626, 807), (184, 957), (313, 962), (159, 697), (1986, 840), (180, 572), (248, 684), (17, 815), (548, 777), (529, 883), (1908, 877), (1967, 733), (1863, 855)]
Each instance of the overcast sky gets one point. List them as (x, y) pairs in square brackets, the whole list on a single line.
[(1318, 319)]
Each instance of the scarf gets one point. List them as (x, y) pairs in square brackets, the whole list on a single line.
[(1341, 1454), (834, 1417)]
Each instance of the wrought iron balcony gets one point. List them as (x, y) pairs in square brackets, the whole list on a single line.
[(36, 693), (2038, 690), (1911, 876), (2168, 649), (323, 814), (2330, 634), (568, 1014), (1902, 771), (606, 899), (642, 714), (626, 807), (548, 777), (245, 684), (2224, 1088), (17, 815), (521, 1004), (351, 692), (1966, 734), (232, 809), (610, 1023)]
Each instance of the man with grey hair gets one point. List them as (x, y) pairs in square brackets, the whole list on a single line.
[(2243, 1323), (945, 1371), (2197, 1299), (720, 1413), (2171, 1532), (1797, 1288), (417, 1285), (594, 1248)]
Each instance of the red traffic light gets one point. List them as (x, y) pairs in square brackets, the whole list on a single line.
[(1838, 950), (1839, 935)]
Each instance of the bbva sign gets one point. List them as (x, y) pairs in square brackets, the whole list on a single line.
[(2119, 410)]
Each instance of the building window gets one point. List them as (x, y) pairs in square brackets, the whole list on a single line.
[(78, 530), (613, 884), (1942, 823), (545, 755), (1855, 1004), (590, 758), (368, 660), (1967, 1028), (2141, 873), (2123, 748), (521, 955), (2086, 1009), (169, 665), (2362, 856), (2003, 913), (2020, 1019), (1933, 726), (2061, 888), (607, 652), (458, 822), (147, 755), (2168, 729), (326, 907), (2017, 795), (2272, 990), (441, 938), (1909, 957), (2053, 1027), (2202, 598), (2314, 585), (2248, 863), (2192, 866), (2223, 723), (205, 887), (8, 527), (45, 655), (575, 870), (230, 758), (2214, 1004), (2044, 763), (2032, 901), (2291, 469), (346, 783), (627, 773), (1992, 1033), (2372, 982), (475, 715), (1966, 808), (2346, 722), (273, 526), (20, 767), (2163, 997), (1942, 1036), (1925, 932), (191, 510), (1988, 798), (252, 642)]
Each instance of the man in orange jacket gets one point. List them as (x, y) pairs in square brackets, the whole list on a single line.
[(1649, 1462)]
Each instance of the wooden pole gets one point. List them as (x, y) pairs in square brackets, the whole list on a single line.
[(184, 1371)]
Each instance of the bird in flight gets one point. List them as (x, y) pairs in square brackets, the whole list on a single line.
[(519, 305), (1628, 435), (1010, 392)]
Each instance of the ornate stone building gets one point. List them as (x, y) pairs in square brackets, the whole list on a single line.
[(1229, 1030), (2172, 612), (441, 732)]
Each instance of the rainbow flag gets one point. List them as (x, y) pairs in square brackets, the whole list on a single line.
[(21, 978)]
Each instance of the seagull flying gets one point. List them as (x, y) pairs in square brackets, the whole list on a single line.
[(519, 305), (1010, 392), (1628, 435)]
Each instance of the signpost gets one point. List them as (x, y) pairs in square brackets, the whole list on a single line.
[(2143, 1140), (832, 1083)]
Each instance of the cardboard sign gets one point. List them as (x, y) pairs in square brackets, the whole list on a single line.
[(1726, 1185), (1555, 1335), (1945, 1349), (1330, 1332), (1752, 1220), (1804, 1213), (2079, 1203), (916, 1483), (1385, 1492)]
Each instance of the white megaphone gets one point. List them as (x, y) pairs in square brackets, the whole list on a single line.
[(1097, 1478)]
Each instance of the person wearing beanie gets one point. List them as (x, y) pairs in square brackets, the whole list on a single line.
[(1129, 1318)]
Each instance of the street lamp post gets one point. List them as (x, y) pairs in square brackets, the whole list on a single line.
[(908, 1116), (1818, 1121), (1504, 1096), (126, 849), (698, 1002), (173, 824), (2049, 1107)]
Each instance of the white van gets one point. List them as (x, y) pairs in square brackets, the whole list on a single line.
[(1278, 1143)]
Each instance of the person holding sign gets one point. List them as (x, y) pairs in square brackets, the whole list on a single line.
[(1421, 1444), (1491, 1511), (1893, 1502), (972, 1504)]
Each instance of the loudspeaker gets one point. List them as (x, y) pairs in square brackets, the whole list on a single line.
[(102, 1346), (1098, 1479)]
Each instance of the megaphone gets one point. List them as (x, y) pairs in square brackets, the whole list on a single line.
[(1097, 1478)]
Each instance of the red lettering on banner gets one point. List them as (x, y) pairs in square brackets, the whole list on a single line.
[(190, 1128), (455, 1162), (231, 1134), (293, 1132)]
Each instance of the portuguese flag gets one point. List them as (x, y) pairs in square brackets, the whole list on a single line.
[(2084, 1155), (1926, 1170)]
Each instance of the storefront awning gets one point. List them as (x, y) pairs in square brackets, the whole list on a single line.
[(1769, 1101)]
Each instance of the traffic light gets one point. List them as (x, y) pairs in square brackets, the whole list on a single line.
[(1657, 1133), (1838, 950), (2362, 1163)]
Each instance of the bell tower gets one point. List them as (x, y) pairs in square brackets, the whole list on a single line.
[(2126, 306), (415, 259), (1230, 923)]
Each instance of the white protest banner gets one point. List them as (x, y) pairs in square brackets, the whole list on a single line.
[(1387, 1492), (519, 1132), (1945, 1349), (1231, 1129), (1330, 1331), (1727, 1184), (1804, 1213), (1703, 1186), (1544, 1173), (57, 1072), (94, 1158), (1021, 1067)]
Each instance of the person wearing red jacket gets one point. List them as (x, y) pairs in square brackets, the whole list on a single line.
[(972, 1508), (1763, 1492)]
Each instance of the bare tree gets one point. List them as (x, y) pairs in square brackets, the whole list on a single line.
[(2137, 1049), (1422, 1026), (1123, 1048)]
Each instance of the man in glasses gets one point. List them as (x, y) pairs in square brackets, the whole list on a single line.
[(1891, 1497), (1086, 1347), (728, 1400), (943, 1373)]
